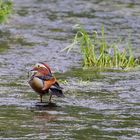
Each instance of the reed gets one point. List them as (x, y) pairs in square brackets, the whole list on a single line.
[(96, 52)]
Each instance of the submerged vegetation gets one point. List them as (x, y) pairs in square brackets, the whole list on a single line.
[(97, 52), (5, 9)]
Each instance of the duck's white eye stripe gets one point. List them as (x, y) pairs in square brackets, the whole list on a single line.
[(38, 65)]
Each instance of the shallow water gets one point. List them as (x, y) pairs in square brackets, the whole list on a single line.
[(98, 105)]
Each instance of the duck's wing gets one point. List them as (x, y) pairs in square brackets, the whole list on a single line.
[(56, 86), (48, 83), (56, 90)]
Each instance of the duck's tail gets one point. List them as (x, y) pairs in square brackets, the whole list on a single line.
[(55, 89)]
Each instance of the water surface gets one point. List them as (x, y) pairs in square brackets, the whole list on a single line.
[(98, 105)]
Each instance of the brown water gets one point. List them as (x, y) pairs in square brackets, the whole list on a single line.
[(98, 105)]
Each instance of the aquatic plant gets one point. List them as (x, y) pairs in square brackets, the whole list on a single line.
[(97, 52), (5, 9)]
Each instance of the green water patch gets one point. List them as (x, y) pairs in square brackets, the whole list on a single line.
[(4, 33), (3, 46), (13, 121), (11, 84), (22, 12), (4, 41), (87, 74), (71, 122), (85, 123), (80, 73), (7, 40), (131, 5), (22, 42), (82, 14), (22, 123), (56, 30)]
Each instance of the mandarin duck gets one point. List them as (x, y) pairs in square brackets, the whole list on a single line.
[(43, 82)]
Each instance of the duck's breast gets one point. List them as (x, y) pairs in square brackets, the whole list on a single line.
[(37, 84)]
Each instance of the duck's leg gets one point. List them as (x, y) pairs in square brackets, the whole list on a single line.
[(41, 98), (50, 98)]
